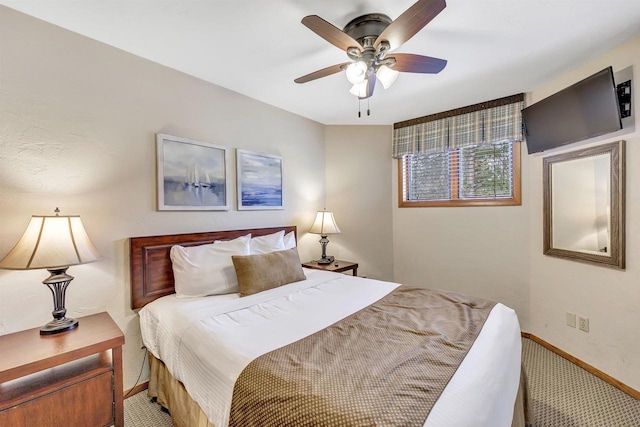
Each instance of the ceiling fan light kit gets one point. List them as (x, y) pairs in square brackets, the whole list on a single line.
[(356, 72), (387, 76), (368, 41), (359, 89)]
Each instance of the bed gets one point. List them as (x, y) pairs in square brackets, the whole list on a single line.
[(209, 355)]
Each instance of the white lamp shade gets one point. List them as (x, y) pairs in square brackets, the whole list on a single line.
[(359, 89), (387, 76), (51, 242), (324, 224), (356, 72)]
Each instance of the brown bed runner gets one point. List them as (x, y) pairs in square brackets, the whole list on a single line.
[(385, 365)]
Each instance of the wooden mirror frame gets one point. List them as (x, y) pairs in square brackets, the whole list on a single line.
[(617, 211)]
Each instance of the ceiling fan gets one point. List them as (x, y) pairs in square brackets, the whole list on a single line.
[(368, 40)]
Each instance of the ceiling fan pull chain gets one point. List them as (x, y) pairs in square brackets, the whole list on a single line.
[(359, 115), (368, 111)]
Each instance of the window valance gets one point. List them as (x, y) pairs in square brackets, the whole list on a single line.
[(489, 122)]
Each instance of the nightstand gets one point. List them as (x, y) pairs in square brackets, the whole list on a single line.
[(337, 266), (73, 378)]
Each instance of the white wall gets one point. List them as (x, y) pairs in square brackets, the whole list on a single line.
[(482, 251), (358, 191), (77, 130), (609, 298), (496, 252)]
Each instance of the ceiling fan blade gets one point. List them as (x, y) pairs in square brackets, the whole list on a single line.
[(322, 73), (330, 33), (410, 63), (410, 22)]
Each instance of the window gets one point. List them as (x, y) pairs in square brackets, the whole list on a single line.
[(468, 156), (473, 175)]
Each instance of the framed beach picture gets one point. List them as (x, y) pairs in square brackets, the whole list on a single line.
[(259, 180), (192, 175)]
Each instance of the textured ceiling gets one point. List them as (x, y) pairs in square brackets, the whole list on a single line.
[(495, 48)]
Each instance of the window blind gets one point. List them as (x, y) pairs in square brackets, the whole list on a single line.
[(486, 171), (471, 172)]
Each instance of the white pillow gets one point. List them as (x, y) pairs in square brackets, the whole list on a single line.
[(207, 269), (269, 243), (241, 238), (289, 240)]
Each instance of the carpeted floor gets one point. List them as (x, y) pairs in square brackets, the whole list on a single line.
[(140, 412), (563, 395)]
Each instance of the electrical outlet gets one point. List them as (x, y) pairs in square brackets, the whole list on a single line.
[(583, 323), (571, 319)]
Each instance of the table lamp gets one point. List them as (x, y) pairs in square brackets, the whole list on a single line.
[(55, 243), (324, 225)]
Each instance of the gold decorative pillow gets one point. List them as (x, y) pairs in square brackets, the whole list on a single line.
[(257, 273)]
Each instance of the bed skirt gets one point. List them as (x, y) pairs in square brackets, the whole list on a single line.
[(171, 394), (185, 412)]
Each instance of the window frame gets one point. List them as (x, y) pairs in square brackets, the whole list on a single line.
[(515, 200)]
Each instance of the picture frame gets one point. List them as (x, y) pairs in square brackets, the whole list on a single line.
[(584, 205), (192, 175), (259, 180)]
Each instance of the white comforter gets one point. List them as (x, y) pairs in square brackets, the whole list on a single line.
[(207, 342)]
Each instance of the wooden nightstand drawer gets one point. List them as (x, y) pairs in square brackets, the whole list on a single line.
[(80, 404)]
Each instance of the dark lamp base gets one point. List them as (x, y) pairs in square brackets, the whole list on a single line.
[(57, 284), (326, 260), (59, 325)]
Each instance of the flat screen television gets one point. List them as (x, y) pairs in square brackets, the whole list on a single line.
[(584, 110)]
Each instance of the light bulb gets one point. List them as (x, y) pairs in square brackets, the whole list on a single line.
[(387, 76), (356, 72)]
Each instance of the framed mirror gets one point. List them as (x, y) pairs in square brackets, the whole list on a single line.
[(584, 205)]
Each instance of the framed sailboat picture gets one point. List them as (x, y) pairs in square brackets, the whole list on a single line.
[(192, 175), (259, 180)]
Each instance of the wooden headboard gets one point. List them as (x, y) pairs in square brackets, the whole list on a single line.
[(151, 273)]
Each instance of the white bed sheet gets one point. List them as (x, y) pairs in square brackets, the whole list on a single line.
[(207, 342)]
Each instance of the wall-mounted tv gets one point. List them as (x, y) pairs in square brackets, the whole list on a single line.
[(584, 110)]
